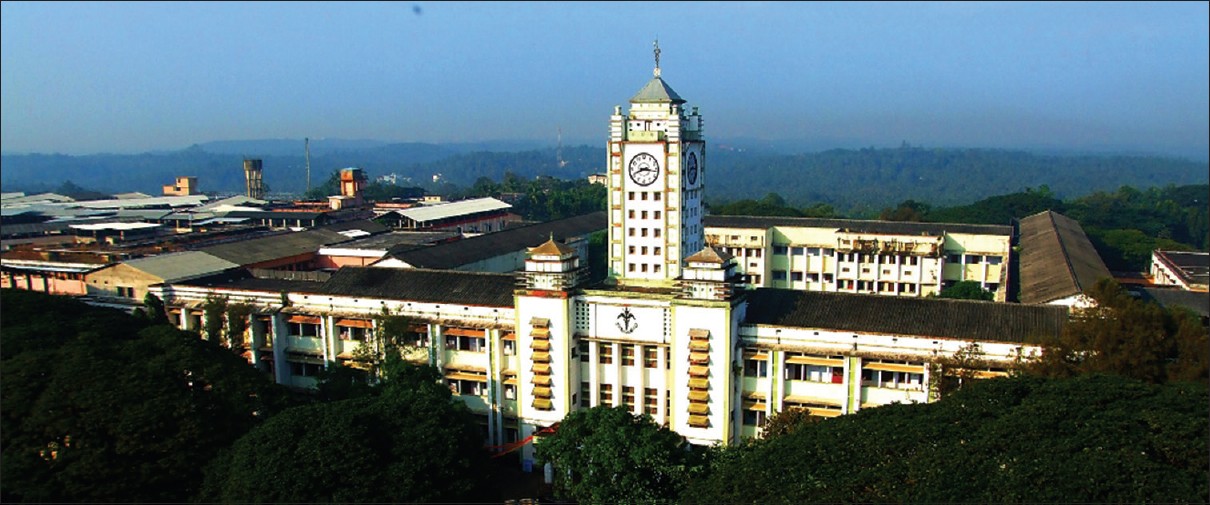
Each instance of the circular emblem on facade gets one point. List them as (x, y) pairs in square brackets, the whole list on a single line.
[(644, 169), (627, 322), (691, 168)]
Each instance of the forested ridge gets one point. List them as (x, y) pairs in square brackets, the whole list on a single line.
[(851, 180)]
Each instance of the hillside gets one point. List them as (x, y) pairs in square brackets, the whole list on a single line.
[(850, 180)]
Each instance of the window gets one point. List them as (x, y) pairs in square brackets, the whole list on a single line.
[(651, 356), (829, 278), (643, 232), (467, 387), (892, 380), (126, 292), (797, 251), (631, 214), (994, 260), (812, 251), (643, 195), (644, 215), (630, 195), (913, 260), (585, 394), (584, 347), (953, 258), (656, 214), (631, 249), (644, 267), (656, 250), (754, 418), (472, 344), (628, 397), (606, 395), (650, 400), (756, 368), (304, 329), (656, 197), (779, 249), (305, 369), (796, 276), (656, 232), (605, 354), (779, 275), (630, 232), (814, 373), (510, 347), (510, 392), (655, 268), (627, 355), (812, 277), (973, 259)]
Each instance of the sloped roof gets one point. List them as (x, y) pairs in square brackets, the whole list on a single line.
[(895, 315), (490, 245), (435, 212), (430, 286), (657, 91), (856, 225), (552, 248), (1057, 259), (180, 266), (709, 255), (1197, 301), (257, 250)]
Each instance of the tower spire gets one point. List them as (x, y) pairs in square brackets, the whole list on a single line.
[(657, 56)]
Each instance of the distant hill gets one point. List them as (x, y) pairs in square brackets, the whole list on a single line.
[(845, 178)]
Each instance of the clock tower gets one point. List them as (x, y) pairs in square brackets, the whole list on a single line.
[(657, 160)]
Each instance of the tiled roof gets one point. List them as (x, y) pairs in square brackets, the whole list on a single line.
[(657, 91), (257, 250), (709, 255), (182, 265), (552, 248), (431, 286), (1196, 301), (489, 245), (923, 317), (1057, 259), (855, 225)]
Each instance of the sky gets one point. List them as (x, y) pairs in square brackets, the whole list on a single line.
[(79, 78)]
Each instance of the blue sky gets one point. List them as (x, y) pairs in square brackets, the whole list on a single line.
[(129, 77)]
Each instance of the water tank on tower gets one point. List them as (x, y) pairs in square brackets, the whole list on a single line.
[(254, 177)]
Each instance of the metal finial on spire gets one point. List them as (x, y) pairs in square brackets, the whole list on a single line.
[(657, 57)]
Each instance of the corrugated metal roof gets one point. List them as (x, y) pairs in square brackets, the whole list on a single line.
[(452, 209), (258, 250), (180, 266), (657, 91), (1197, 301), (856, 225), (470, 250), (1057, 259), (895, 315), (431, 286)]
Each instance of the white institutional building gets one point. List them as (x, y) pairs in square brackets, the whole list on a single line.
[(675, 332)]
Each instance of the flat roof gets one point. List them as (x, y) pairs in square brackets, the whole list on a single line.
[(856, 225)]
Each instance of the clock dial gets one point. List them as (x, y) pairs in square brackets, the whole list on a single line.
[(691, 168), (644, 169)]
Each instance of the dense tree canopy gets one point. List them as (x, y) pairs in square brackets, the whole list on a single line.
[(1089, 439), (1127, 336), (609, 455), (100, 406), (966, 290), (407, 441)]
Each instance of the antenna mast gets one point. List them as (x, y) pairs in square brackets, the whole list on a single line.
[(559, 152), (307, 148)]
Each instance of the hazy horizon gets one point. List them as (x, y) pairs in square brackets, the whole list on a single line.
[(1071, 77)]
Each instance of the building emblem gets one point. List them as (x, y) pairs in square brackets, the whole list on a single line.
[(627, 322)]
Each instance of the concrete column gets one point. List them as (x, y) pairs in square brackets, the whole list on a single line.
[(281, 368), (617, 371), (640, 390), (662, 393), (594, 374)]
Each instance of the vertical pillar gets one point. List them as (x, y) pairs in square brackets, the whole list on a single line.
[(594, 373), (662, 393)]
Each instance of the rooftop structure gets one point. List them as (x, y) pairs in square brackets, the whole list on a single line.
[(1058, 262), (1187, 270)]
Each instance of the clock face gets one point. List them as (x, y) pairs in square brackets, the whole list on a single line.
[(691, 168), (644, 169)]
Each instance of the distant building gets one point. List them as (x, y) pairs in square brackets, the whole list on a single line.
[(602, 179), (184, 186), (476, 215), (1188, 270)]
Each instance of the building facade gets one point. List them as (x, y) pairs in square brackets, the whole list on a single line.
[(675, 332)]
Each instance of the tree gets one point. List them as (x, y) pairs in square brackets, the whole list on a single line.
[(608, 455), (966, 290), (1130, 337), (214, 312), (411, 442), (110, 408), (237, 325), (788, 421), (1087, 439)]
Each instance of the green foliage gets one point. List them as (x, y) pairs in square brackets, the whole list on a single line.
[(788, 421), (237, 324), (966, 290), (608, 455), (1127, 336), (909, 210), (214, 312), (543, 198), (412, 442), (1089, 439), (104, 408), (153, 309)]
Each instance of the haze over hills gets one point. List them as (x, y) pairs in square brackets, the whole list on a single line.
[(738, 168)]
